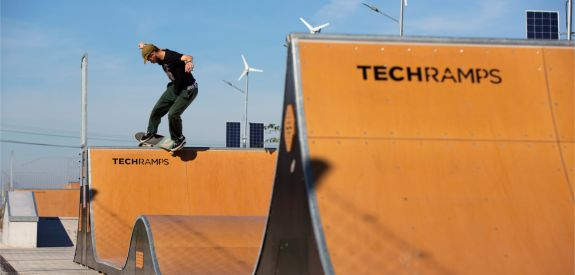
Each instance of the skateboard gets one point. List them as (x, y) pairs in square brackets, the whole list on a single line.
[(159, 141)]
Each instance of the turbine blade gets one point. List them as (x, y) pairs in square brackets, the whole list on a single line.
[(309, 27), (242, 75), (405, 2), (322, 26), (255, 70), (245, 62)]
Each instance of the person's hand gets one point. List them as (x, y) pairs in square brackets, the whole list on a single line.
[(141, 45), (189, 67)]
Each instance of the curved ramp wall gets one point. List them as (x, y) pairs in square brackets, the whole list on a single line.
[(166, 191), (431, 156)]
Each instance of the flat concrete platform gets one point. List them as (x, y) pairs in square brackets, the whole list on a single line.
[(52, 260)]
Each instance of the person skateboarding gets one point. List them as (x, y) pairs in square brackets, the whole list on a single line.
[(180, 91)]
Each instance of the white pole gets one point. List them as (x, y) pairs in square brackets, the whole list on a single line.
[(401, 19), (245, 139), (569, 19), (11, 171), (84, 134)]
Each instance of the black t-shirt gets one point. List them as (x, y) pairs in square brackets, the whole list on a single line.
[(175, 70)]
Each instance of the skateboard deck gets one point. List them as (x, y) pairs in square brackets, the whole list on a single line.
[(159, 141)]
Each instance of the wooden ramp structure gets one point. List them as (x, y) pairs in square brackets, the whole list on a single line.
[(148, 212), (397, 156), (424, 156)]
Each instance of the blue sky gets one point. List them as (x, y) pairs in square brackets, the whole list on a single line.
[(42, 43)]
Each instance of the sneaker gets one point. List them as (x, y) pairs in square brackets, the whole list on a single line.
[(146, 137), (178, 143)]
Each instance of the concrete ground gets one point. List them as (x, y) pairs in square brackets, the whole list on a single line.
[(55, 254), (46, 260)]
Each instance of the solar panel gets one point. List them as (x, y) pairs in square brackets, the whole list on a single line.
[(256, 135), (543, 25), (233, 134)]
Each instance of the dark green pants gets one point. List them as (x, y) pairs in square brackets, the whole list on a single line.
[(174, 105)]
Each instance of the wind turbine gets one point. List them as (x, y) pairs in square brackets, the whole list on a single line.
[(246, 73), (313, 29)]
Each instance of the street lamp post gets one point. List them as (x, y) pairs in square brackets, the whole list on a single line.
[(376, 9), (245, 138), (401, 17), (569, 19), (11, 188)]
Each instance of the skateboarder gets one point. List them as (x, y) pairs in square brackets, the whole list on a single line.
[(179, 94)]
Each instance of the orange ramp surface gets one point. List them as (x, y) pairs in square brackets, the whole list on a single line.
[(56, 202), (175, 198), (424, 156), (207, 245)]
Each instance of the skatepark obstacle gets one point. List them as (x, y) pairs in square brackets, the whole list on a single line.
[(424, 156), (149, 211)]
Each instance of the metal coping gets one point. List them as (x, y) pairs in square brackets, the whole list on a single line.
[(186, 148), (366, 38)]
